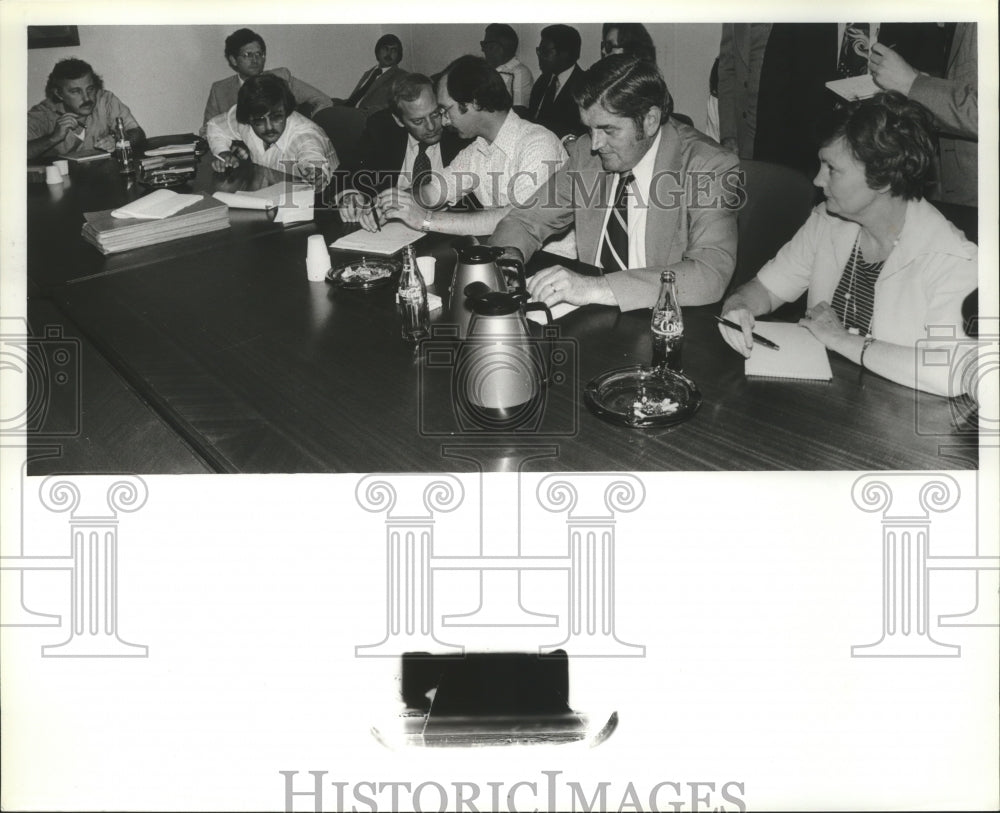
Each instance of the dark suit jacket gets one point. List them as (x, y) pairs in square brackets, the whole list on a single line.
[(383, 148), (563, 116), (793, 103), (378, 95)]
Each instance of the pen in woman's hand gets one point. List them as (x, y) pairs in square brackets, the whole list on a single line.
[(756, 337)]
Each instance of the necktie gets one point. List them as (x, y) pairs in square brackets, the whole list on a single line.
[(854, 50), (549, 97), (614, 245), (359, 94), (421, 165)]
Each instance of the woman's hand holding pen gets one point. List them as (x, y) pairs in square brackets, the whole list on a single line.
[(740, 340)]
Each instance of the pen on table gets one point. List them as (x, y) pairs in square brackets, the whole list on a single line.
[(756, 337)]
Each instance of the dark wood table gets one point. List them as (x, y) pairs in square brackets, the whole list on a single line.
[(258, 370)]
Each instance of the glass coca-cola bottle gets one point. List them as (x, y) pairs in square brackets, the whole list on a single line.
[(411, 300), (667, 326)]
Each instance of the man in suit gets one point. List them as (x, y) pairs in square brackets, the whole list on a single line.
[(374, 88), (773, 98), (246, 54), (393, 143), (552, 104), (499, 46), (503, 167), (644, 193), (954, 101)]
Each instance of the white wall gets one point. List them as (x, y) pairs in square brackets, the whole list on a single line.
[(163, 72)]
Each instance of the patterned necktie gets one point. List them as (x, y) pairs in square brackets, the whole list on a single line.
[(854, 50), (614, 245), (548, 97), (359, 94), (421, 165)]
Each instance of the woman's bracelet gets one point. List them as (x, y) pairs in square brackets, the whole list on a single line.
[(869, 341)]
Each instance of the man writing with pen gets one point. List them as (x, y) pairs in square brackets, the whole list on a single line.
[(400, 146)]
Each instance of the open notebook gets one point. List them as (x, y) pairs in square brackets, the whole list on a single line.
[(801, 356)]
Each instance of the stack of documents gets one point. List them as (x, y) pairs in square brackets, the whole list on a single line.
[(156, 218)]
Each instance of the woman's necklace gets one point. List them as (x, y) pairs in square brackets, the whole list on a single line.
[(850, 295)]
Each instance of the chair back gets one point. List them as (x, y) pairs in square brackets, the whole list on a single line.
[(778, 202), (343, 126)]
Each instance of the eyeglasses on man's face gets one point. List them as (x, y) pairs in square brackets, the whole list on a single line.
[(269, 119), (251, 56)]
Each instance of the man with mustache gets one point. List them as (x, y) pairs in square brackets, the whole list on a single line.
[(263, 127), (77, 115)]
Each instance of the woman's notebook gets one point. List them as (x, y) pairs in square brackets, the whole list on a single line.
[(801, 356)]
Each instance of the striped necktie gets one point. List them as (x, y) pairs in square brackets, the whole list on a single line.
[(614, 244), (421, 165)]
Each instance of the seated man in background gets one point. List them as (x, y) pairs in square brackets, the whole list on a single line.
[(499, 46), (509, 159), (246, 54), (271, 134), (645, 193), (398, 147), (373, 90), (77, 114), (552, 103)]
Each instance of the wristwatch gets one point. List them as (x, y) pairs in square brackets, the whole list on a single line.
[(426, 225)]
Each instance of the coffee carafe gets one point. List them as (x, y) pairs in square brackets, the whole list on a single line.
[(501, 369), (480, 264)]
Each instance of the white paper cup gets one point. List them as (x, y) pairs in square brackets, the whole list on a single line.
[(316, 271), (63, 165), (426, 267), (53, 175)]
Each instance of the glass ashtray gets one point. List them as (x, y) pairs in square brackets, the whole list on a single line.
[(642, 397)]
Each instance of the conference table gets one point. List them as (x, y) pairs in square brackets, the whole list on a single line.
[(216, 354)]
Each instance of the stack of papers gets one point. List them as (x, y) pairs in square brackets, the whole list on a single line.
[(111, 234), (802, 355), (294, 202), (173, 149)]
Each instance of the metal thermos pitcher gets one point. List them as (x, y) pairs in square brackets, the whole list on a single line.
[(482, 264)]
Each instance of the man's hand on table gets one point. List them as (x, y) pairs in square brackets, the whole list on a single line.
[(399, 204), (558, 284), (355, 208)]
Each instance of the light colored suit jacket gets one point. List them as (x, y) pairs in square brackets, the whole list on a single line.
[(379, 94), (690, 225), (223, 94), (954, 101)]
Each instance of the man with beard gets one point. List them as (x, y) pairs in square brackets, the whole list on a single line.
[(77, 115), (263, 127)]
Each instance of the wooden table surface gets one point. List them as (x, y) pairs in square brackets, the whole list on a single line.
[(259, 370)]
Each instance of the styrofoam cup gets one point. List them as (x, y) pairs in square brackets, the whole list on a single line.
[(53, 175), (426, 266), (63, 165)]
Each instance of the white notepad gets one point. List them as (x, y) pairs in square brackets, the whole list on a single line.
[(393, 237), (853, 88), (801, 356)]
